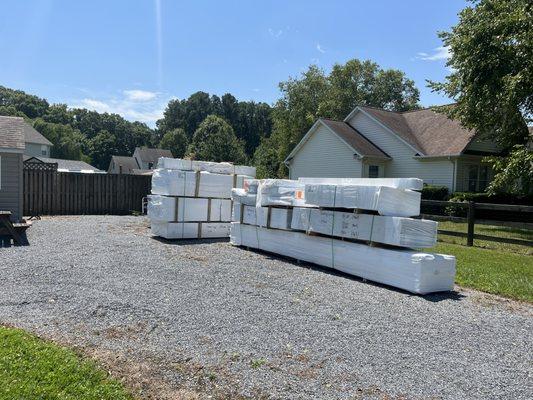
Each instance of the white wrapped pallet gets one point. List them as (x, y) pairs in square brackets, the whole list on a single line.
[(409, 270), (398, 183), (396, 231), (383, 199), (185, 209), (280, 192), (194, 184), (207, 166), (269, 217), (190, 230)]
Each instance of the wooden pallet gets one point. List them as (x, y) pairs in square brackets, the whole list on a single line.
[(15, 231)]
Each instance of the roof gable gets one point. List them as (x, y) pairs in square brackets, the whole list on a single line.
[(151, 155), (347, 134), (33, 136), (426, 131), (128, 164)]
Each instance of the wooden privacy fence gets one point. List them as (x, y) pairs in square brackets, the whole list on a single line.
[(506, 215), (57, 193)]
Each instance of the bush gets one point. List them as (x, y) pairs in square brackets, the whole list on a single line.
[(495, 199), (434, 192)]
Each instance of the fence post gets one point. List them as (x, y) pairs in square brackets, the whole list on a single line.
[(471, 218)]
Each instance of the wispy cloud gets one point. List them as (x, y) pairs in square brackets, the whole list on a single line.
[(134, 105), (159, 41), (439, 53), (139, 95), (276, 34), (320, 48)]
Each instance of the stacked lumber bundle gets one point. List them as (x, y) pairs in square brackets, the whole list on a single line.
[(192, 199), (363, 227)]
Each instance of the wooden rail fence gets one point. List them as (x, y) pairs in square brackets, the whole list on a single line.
[(62, 193), (522, 215)]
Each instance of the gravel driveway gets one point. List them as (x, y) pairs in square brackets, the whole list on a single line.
[(188, 320)]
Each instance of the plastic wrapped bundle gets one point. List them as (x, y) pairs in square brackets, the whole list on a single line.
[(269, 217), (397, 183), (280, 192), (207, 166), (409, 270), (184, 209), (194, 184), (190, 230), (396, 231), (383, 199)]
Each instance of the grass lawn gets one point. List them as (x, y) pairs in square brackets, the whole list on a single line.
[(494, 271), (31, 368), (489, 230)]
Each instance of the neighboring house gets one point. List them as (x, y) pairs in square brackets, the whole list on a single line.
[(147, 158), (65, 165), (11, 152), (371, 142), (141, 163), (36, 144), (122, 165)]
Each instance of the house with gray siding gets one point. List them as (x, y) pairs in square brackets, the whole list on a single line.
[(372, 142), (36, 144), (142, 162), (12, 147)]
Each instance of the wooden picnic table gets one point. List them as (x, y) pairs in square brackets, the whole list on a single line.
[(13, 230)]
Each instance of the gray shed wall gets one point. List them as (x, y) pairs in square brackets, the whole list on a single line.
[(11, 184)]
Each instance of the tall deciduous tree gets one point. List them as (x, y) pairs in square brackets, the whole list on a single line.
[(492, 72), (176, 141), (214, 140)]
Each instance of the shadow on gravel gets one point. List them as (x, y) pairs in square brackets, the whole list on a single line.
[(188, 242), (434, 297)]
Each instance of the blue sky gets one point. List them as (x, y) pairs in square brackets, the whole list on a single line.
[(132, 56)]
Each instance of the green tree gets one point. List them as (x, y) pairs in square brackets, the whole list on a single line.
[(31, 106), (101, 148), (214, 140), (176, 141), (317, 94), (68, 143), (492, 76)]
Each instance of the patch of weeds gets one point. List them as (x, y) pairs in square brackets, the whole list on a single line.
[(257, 363)]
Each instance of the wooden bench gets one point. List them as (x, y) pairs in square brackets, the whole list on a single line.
[(15, 231)]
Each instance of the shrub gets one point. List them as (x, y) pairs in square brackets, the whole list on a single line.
[(434, 192)]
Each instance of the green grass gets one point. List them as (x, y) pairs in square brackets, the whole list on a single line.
[(31, 368), (490, 230), (494, 271)]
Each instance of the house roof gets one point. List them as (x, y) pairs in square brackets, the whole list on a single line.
[(152, 155), (70, 165), (428, 132), (128, 164), (354, 138), (12, 133), (32, 136)]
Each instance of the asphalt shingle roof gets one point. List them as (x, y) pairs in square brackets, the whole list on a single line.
[(12, 133), (32, 136), (152, 155), (128, 163)]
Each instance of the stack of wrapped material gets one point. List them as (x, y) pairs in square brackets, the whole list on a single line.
[(359, 226), (192, 199)]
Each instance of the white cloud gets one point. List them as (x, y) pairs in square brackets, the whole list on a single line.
[(275, 34), (139, 95), (439, 53), (319, 48), (134, 105)]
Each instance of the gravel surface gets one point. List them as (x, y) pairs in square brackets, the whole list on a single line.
[(189, 319)]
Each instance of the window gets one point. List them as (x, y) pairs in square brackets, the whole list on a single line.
[(476, 178), (373, 171), (150, 165), (44, 150)]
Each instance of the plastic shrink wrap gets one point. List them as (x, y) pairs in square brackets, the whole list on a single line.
[(280, 192), (383, 199), (178, 209), (207, 166), (190, 230), (416, 272), (398, 183)]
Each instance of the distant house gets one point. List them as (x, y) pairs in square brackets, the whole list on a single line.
[(12, 147), (36, 144), (372, 142), (65, 165), (141, 163)]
